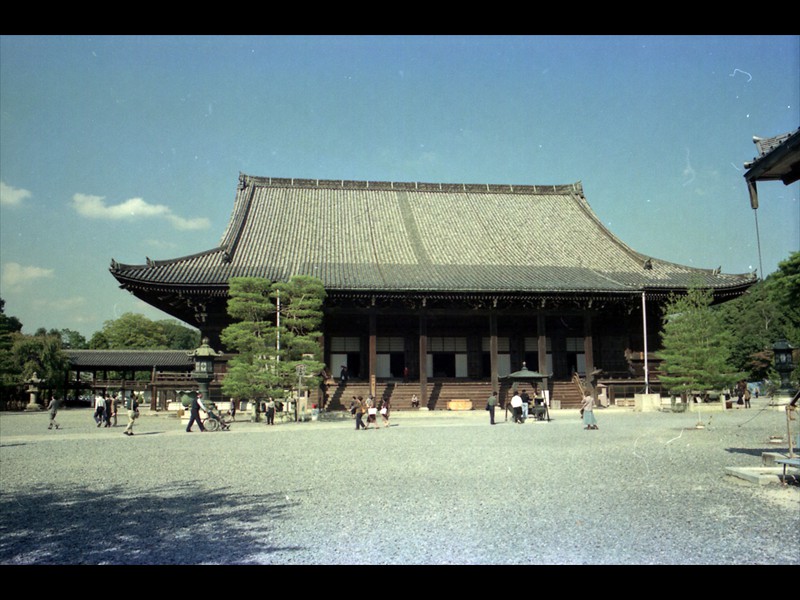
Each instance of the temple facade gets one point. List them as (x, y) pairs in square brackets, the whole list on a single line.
[(430, 283)]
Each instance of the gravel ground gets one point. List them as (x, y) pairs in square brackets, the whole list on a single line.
[(442, 488)]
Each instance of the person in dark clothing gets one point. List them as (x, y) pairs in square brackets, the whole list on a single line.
[(194, 415), (108, 409)]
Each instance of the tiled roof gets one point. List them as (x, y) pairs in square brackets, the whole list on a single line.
[(129, 359), (415, 237), (778, 159)]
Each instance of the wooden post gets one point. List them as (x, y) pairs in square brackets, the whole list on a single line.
[(423, 357), (493, 350)]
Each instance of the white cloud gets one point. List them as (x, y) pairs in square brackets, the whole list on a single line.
[(11, 196), (15, 274), (187, 224), (94, 207)]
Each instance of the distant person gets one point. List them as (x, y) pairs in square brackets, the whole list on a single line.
[(115, 400), (385, 412), (372, 412), (99, 409), (360, 408), (516, 407), (491, 404), (232, 409), (109, 408), (53, 408), (587, 410), (194, 416), (526, 400), (132, 406)]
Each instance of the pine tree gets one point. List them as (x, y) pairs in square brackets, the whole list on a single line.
[(695, 346)]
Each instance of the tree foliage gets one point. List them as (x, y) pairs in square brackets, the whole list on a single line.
[(135, 331), (42, 356), (767, 312), (695, 346), (276, 329), (10, 372), (254, 371)]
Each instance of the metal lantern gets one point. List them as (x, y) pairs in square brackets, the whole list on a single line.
[(783, 361), (203, 372)]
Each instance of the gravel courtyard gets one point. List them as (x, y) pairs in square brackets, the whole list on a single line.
[(442, 488)]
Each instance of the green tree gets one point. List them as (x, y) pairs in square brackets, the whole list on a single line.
[(179, 337), (253, 373), (301, 300), (41, 355), (135, 331), (695, 346), (10, 371), (767, 312), (273, 338)]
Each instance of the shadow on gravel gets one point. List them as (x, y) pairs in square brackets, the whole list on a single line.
[(752, 451), (182, 524)]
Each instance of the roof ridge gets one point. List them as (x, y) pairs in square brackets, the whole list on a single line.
[(348, 184)]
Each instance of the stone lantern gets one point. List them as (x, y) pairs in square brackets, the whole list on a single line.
[(33, 390)]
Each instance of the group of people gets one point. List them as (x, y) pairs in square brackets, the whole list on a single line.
[(520, 406), (105, 411), (371, 407), (106, 408)]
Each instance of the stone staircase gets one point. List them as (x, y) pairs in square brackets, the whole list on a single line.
[(441, 392)]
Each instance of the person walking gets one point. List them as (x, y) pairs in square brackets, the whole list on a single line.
[(587, 410), (109, 407), (115, 404), (53, 408), (385, 412), (132, 406), (360, 410), (194, 416), (271, 411), (99, 409), (491, 404), (232, 409), (516, 407)]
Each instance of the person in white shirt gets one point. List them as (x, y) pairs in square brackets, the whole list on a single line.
[(99, 409), (516, 407)]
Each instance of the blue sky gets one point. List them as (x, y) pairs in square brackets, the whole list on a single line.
[(131, 147)]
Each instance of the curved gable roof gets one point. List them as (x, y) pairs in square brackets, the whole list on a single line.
[(417, 237)]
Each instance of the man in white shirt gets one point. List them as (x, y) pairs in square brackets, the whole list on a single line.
[(516, 407), (99, 409)]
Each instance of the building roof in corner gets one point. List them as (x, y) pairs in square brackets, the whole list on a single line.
[(421, 237)]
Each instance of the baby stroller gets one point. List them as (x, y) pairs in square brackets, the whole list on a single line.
[(215, 422)]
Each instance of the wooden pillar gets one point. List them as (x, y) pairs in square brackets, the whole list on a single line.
[(423, 357), (373, 351), (588, 352), (541, 347), (493, 349)]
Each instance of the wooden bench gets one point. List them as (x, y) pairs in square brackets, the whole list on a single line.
[(459, 404)]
